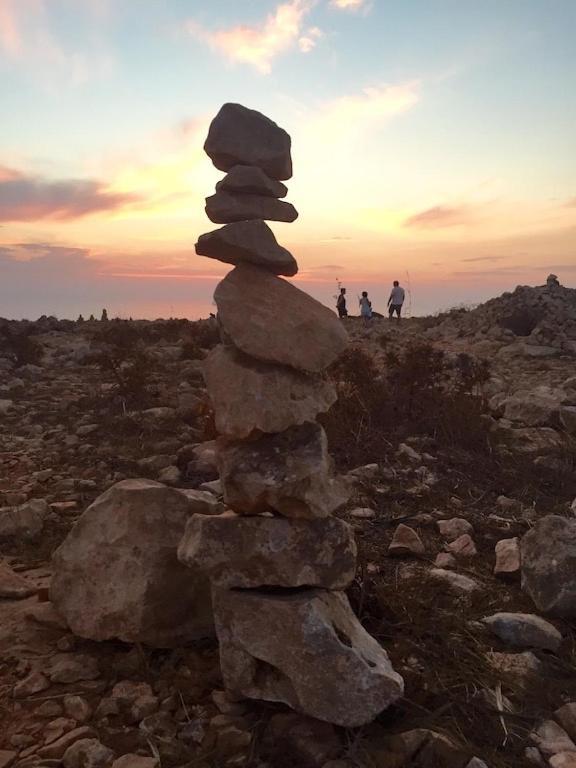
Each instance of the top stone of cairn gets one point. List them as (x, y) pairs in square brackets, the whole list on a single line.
[(241, 136)]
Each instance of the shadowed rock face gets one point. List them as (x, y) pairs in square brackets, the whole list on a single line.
[(290, 473), (249, 180), (116, 575), (249, 395), (270, 319), (548, 556), (252, 552), (250, 242), (225, 207), (241, 136), (306, 649)]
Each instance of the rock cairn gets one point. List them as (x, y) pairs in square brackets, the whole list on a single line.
[(277, 560)]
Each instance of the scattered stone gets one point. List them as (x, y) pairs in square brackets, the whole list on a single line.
[(445, 560), (25, 522), (12, 585), (249, 395), (524, 630), (362, 513), (57, 749), (284, 325), (519, 665), (7, 757), (290, 472), (135, 761), (566, 716), (112, 579), (228, 207), (405, 542), (507, 558), (563, 760), (250, 242), (251, 180), (72, 668), (88, 753), (46, 615), (463, 546), (456, 581), (241, 136), (310, 741), (35, 682), (77, 708), (306, 649), (454, 527), (251, 552), (57, 728), (548, 554), (551, 739)]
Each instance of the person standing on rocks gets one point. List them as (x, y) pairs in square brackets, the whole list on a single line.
[(341, 304), (396, 300), (365, 308)]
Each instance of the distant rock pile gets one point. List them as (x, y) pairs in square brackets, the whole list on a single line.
[(277, 560), (535, 321)]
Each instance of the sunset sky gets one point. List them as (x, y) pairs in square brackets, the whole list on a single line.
[(434, 142)]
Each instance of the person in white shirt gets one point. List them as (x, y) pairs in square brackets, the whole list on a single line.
[(396, 300)]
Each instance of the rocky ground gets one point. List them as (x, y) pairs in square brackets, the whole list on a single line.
[(453, 461)]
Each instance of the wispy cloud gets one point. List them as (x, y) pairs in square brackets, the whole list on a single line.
[(31, 198), (485, 258), (259, 44), (349, 5), (439, 216)]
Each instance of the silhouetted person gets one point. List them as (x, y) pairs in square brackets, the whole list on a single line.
[(365, 308), (396, 300), (341, 304)]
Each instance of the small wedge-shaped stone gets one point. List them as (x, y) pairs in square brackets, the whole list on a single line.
[(252, 552), (524, 630), (242, 136), (306, 649), (290, 473), (226, 207), (249, 395), (284, 324), (250, 180), (251, 242)]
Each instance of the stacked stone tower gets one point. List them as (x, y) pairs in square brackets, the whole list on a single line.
[(278, 562)]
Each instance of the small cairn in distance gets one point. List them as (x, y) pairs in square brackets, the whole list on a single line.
[(278, 561)]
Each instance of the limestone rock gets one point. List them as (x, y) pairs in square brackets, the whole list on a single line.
[(454, 527), (251, 242), (135, 761), (251, 180), (241, 136), (456, 581), (57, 749), (290, 472), (566, 716), (226, 207), (117, 576), (463, 546), (284, 324), (525, 630), (405, 542), (549, 565), (563, 760), (23, 522), (507, 558), (550, 739), (12, 585), (88, 753), (250, 395), (252, 552), (306, 649)]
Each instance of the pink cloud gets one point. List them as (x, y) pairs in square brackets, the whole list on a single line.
[(348, 5), (259, 44), (438, 217)]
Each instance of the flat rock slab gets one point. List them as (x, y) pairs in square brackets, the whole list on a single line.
[(284, 324), (525, 630), (12, 585), (252, 552), (116, 575), (226, 207), (248, 395), (548, 555), (247, 242), (507, 558), (242, 136), (290, 473), (250, 180), (306, 649)]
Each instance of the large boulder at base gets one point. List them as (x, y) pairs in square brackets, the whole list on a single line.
[(251, 242), (117, 574), (284, 324), (306, 649), (252, 552), (250, 180), (249, 395), (242, 136), (548, 554), (290, 472), (226, 207)]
